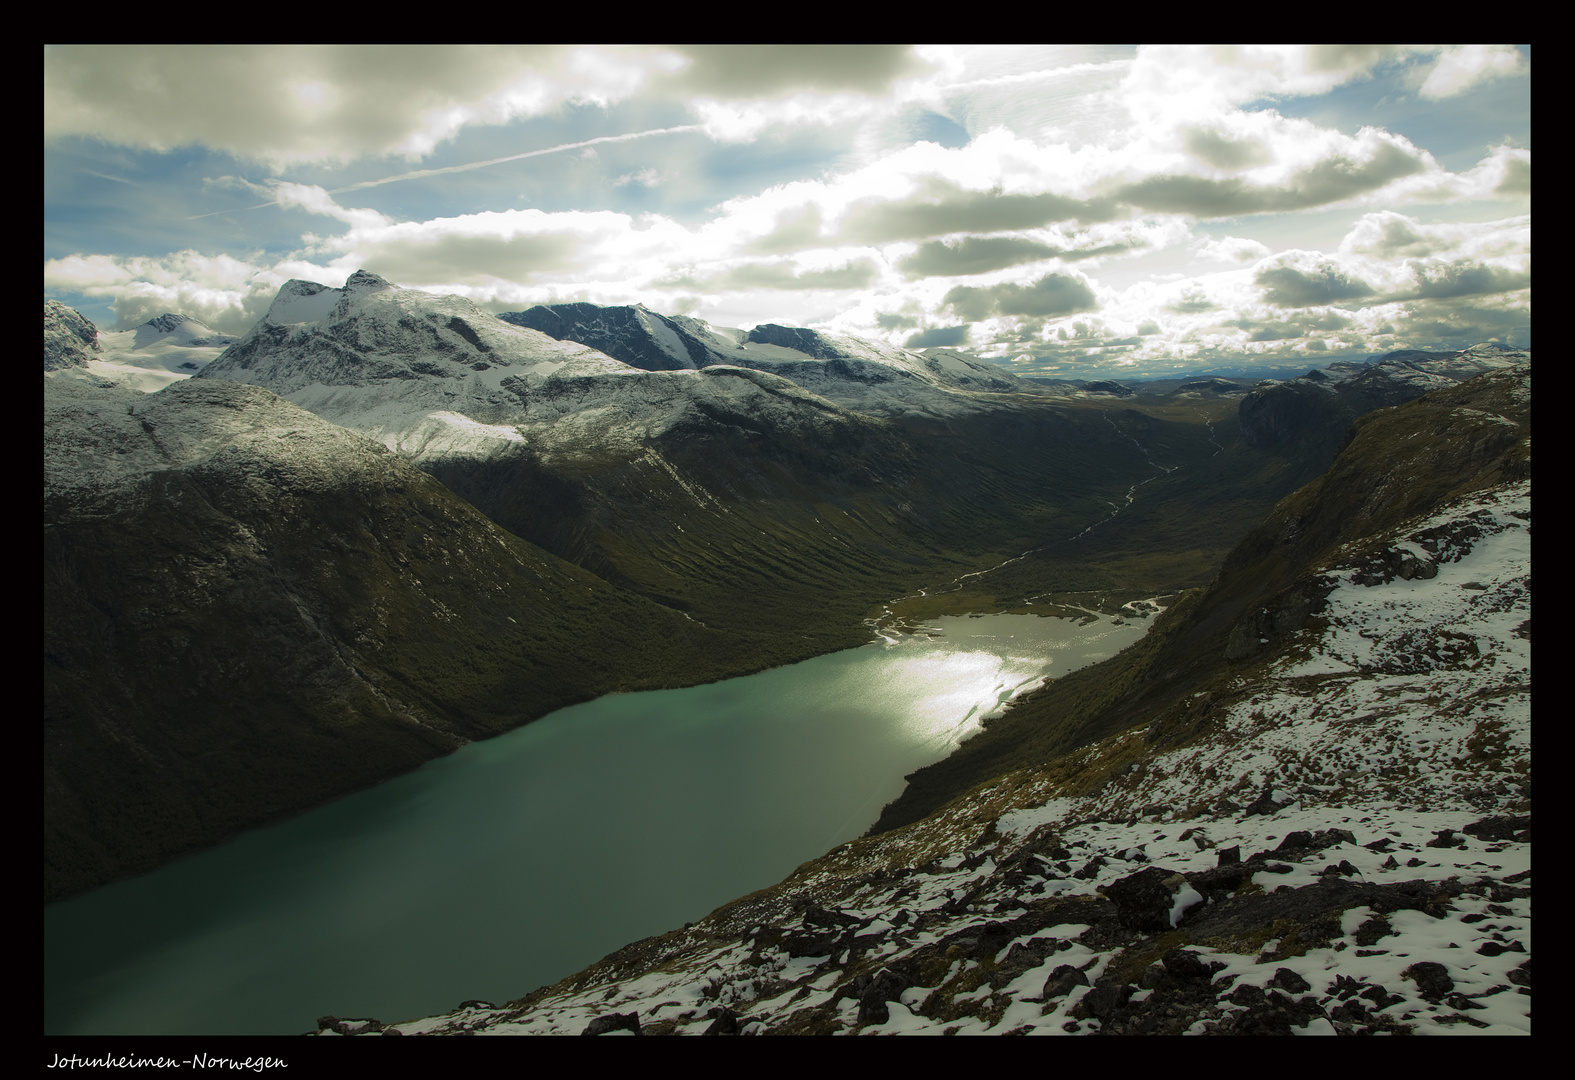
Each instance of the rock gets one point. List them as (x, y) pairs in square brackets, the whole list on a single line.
[(819, 916), (1517, 827), (1061, 982), (1495, 948), (603, 1025), (1431, 978), (1090, 868), (723, 1022), (1103, 1000), (1265, 804), (887, 985), (1245, 994), (1143, 900), (1289, 981), (1185, 964), (349, 1025), (1372, 930)]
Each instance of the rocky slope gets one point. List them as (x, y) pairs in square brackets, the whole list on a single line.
[(1327, 833), (70, 341)]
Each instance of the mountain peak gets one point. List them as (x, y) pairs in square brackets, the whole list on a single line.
[(364, 281), (167, 322)]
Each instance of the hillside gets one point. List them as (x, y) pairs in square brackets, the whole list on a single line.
[(250, 611), (1321, 826)]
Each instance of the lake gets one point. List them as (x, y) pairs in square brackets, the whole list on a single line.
[(517, 861)]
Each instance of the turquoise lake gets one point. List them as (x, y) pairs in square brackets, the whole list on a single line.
[(519, 860)]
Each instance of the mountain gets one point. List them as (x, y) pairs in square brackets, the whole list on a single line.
[(859, 375), (818, 479), (162, 350), (70, 341), (322, 498), (1312, 412), (437, 377), (1319, 824), (249, 611)]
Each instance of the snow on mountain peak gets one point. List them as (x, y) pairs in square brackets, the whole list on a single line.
[(301, 302)]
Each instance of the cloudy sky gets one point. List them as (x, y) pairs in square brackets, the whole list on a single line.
[(1067, 211)]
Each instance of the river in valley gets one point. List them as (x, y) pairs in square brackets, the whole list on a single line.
[(519, 860)]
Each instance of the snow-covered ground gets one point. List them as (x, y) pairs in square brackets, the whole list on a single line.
[(1343, 848)]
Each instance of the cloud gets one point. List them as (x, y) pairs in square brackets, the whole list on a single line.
[(853, 274), (647, 177), (940, 206), (1387, 235), (1180, 83), (1224, 152), (1336, 178), (1192, 303), (1466, 277), (973, 255), (796, 229), (1465, 67), (226, 293), (1051, 296), (457, 258), (938, 337), (983, 254), (1320, 282), (1517, 176), (741, 72), (287, 104), (1234, 249), (315, 200)]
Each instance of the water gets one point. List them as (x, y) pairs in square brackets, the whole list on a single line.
[(519, 860)]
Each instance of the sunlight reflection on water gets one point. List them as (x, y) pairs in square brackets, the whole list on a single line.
[(522, 858)]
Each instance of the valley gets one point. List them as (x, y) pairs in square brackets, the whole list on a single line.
[(384, 525)]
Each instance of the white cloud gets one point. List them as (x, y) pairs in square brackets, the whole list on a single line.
[(1237, 249), (1464, 67), (647, 177), (285, 104)]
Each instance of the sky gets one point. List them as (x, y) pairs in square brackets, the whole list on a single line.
[(1069, 212)]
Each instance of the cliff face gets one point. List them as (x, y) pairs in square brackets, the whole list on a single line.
[(1328, 832)]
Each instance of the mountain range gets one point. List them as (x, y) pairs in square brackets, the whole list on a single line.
[(1310, 814), (383, 523)]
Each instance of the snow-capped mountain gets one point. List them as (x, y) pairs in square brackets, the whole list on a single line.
[(861, 375), (1329, 833), (435, 376), (174, 329), (163, 350)]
